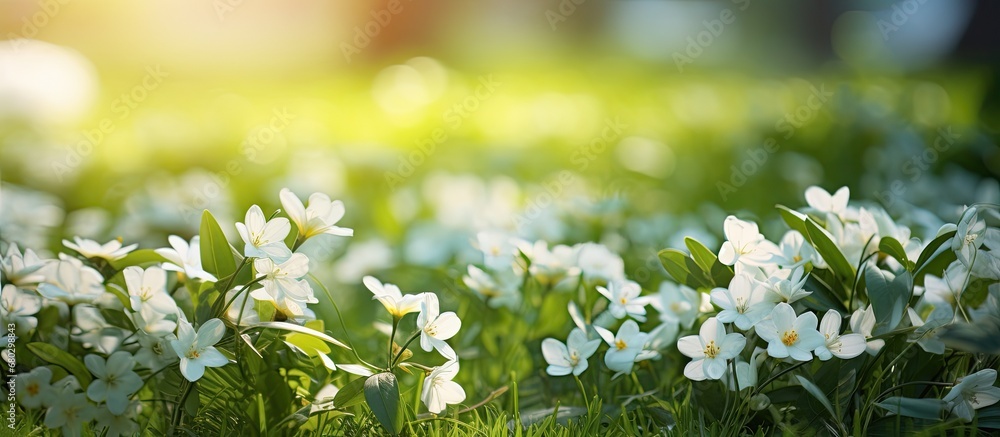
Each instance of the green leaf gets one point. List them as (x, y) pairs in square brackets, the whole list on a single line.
[(794, 219), (684, 269), (888, 298), (829, 251), (818, 394), (138, 258), (350, 394), (61, 358), (912, 407), (894, 248), (285, 326), (720, 273), (932, 248), (117, 318), (382, 394), (120, 294), (216, 254)]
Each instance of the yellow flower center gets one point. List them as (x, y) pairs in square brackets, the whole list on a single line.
[(33, 389), (574, 358), (431, 330), (711, 349), (796, 258), (790, 337), (622, 300), (620, 344), (193, 354)]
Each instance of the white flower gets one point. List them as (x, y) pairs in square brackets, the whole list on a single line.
[(185, 257), (196, 350), (439, 389), (70, 281), (926, 335), (148, 288), (114, 380), (625, 301), (392, 299), (110, 251), (746, 372), (20, 269), (571, 357), (743, 303), (18, 307), (282, 285), (69, 412), (117, 424), (972, 393), (845, 346), (436, 327), (34, 389), (599, 264), (794, 251), (320, 217), (554, 268), (501, 289), (790, 336), (93, 331), (946, 290), (821, 200), (970, 236), (241, 305), (863, 322), (498, 249), (263, 238), (855, 239), (677, 304), (786, 285), (745, 246), (709, 350), (154, 351), (625, 346)]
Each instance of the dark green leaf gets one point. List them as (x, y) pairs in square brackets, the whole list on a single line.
[(350, 394), (117, 318), (382, 395), (216, 254), (829, 251), (720, 273), (818, 394), (59, 357), (928, 408), (888, 299), (684, 269), (893, 248), (932, 248)]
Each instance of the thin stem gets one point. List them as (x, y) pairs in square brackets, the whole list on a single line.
[(392, 338), (776, 376), (179, 409), (928, 383), (340, 318), (403, 349), (238, 293), (583, 391)]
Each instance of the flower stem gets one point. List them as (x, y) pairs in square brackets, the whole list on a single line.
[(403, 349)]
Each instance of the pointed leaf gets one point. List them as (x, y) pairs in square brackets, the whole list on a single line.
[(829, 251), (684, 269), (912, 407), (53, 355), (382, 395), (894, 248), (216, 253), (350, 394), (285, 326)]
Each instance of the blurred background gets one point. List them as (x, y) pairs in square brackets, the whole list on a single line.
[(630, 123)]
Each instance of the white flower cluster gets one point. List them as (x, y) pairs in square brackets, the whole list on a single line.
[(150, 332)]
